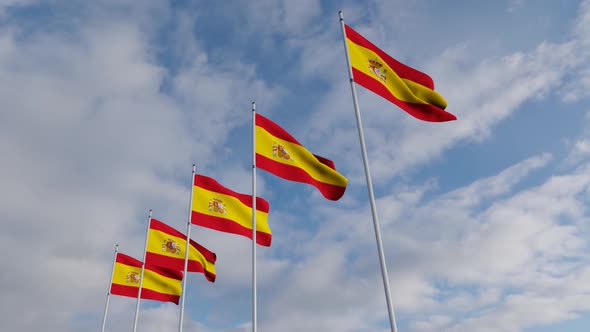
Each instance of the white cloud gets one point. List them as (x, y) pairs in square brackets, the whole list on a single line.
[(283, 16), (514, 5), (481, 93), (518, 243), (579, 147), (89, 143), (95, 129), (451, 257)]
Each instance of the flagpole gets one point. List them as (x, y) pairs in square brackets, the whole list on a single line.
[(369, 184), (254, 319), (106, 307), (186, 250), (142, 270)]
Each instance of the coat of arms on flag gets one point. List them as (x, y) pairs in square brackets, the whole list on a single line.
[(170, 246), (279, 151), (375, 67), (216, 205), (132, 278)]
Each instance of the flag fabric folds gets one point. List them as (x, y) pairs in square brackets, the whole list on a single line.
[(281, 154), (217, 207), (159, 284), (166, 248), (406, 87)]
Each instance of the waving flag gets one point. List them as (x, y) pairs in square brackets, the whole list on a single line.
[(222, 209), (406, 87), (166, 248), (159, 284), (281, 154)]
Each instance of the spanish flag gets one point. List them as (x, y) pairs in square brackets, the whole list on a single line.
[(219, 208), (406, 87), (159, 284), (281, 154), (166, 248)]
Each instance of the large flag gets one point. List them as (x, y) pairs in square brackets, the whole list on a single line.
[(159, 284), (166, 246), (406, 87), (282, 155), (219, 208)]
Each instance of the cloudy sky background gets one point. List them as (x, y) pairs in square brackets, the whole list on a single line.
[(106, 104)]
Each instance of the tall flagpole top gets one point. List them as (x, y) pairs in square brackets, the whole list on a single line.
[(150, 214), (340, 15), (116, 247), (194, 168), (253, 106)]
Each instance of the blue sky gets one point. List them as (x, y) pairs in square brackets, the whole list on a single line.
[(105, 105)]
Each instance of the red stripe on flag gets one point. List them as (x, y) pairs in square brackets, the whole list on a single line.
[(162, 227), (400, 69), (325, 161), (426, 112), (166, 272), (229, 226), (292, 173), (274, 129), (146, 294), (178, 264), (212, 185), (128, 260), (278, 132), (123, 290), (149, 294)]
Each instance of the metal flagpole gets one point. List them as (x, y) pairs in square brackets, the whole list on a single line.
[(254, 320), (369, 183), (142, 270), (186, 250), (106, 307)]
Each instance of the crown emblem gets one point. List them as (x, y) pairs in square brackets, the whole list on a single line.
[(216, 205), (170, 246), (279, 151), (375, 67), (132, 278)]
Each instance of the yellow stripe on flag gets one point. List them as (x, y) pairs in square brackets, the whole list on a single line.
[(129, 276), (160, 283), (126, 275), (157, 244), (298, 156), (233, 209), (403, 89), (157, 241)]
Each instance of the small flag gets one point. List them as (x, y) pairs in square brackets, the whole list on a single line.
[(219, 208), (281, 154), (406, 87), (159, 284), (166, 248)]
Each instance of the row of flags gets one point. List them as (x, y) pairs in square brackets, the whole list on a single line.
[(164, 263), (276, 151), (218, 207)]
